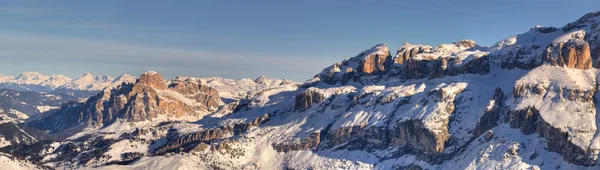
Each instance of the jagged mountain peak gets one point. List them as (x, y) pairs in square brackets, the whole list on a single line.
[(30, 74), (86, 77), (466, 44), (124, 78), (378, 49), (260, 79), (152, 79), (589, 18), (87, 74), (31, 77)]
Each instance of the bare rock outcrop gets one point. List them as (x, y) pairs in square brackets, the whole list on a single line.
[(375, 63), (574, 53), (203, 94), (530, 122), (590, 21), (190, 141), (491, 117), (307, 98), (405, 52), (152, 79), (310, 142), (525, 90)]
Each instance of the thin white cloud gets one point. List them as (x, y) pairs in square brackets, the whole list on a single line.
[(82, 25), (24, 46), (23, 11)]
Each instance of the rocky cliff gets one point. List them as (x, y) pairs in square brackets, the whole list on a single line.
[(147, 99)]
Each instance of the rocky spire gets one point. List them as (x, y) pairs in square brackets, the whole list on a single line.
[(261, 80), (153, 79)]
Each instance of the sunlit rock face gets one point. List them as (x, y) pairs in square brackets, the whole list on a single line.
[(147, 99)]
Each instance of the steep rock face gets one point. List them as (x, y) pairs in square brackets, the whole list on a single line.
[(307, 98), (147, 99), (572, 54), (421, 141), (423, 135), (530, 122), (200, 93), (590, 24), (542, 98), (406, 52), (410, 62), (310, 142), (189, 141), (491, 117), (374, 61), (416, 69), (461, 57), (152, 79)]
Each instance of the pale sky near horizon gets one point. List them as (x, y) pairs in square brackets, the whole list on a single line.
[(246, 39)]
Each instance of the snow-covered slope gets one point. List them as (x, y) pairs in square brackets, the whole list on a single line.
[(10, 163)]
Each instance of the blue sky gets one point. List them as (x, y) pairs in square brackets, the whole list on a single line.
[(238, 39)]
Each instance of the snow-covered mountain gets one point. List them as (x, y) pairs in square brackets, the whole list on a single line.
[(527, 102), (239, 89), (81, 87)]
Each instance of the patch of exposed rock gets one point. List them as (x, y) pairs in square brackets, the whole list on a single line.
[(374, 61), (310, 142), (190, 141), (530, 122), (152, 79), (491, 117), (574, 53), (307, 98), (541, 89)]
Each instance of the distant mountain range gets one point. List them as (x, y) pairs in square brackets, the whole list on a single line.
[(83, 86)]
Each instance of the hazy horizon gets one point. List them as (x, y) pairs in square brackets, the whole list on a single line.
[(292, 40)]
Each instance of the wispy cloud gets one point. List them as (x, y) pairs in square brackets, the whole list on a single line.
[(25, 46), (82, 25), (24, 11)]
